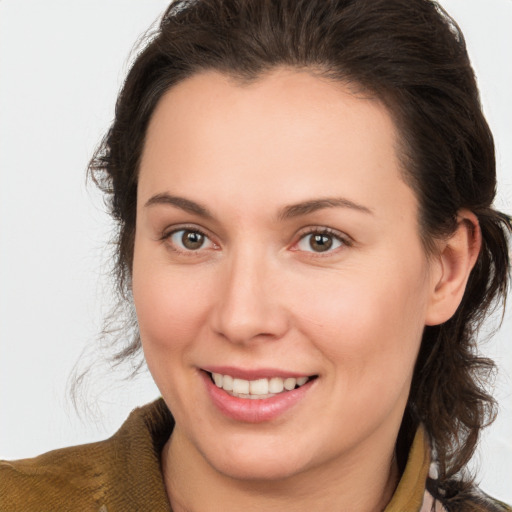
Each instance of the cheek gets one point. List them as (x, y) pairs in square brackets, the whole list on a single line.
[(368, 322), (171, 311), (171, 305)]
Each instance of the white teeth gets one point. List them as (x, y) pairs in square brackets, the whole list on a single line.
[(290, 383), (275, 385), (260, 388), (218, 379), (240, 386), (227, 382)]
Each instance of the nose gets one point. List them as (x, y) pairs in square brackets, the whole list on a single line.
[(249, 305)]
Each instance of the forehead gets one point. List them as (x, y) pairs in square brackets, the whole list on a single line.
[(287, 131)]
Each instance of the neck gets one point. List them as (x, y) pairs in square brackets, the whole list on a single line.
[(360, 483)]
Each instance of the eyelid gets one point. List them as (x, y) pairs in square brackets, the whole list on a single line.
[(170, 231), (346, 240), (343, 238)]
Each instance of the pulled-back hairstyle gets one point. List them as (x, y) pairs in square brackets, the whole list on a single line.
[(411, 56)]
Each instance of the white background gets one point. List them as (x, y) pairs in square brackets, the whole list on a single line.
[(61, 65)]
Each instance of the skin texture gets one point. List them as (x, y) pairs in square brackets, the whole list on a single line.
[(257, 295)]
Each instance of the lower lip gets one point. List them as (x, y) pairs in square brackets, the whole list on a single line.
[(251, 410)]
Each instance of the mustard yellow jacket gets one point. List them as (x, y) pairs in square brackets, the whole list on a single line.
[(122, 474)]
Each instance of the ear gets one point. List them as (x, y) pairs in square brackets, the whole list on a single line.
[(451, 268)]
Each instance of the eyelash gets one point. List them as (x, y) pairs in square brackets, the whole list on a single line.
[(344, 240), (167, 236)]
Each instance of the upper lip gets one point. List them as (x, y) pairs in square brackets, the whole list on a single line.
[(254, 374)]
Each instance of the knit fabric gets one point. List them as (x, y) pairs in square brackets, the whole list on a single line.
[(123, 474)]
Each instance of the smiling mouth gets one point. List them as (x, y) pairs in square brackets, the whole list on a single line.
[(260, 388)]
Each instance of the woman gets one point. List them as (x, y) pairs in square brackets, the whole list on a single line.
[(304, 196)]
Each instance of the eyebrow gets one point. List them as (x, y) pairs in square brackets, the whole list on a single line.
[(179, 202), (288, 212), (307, 207)]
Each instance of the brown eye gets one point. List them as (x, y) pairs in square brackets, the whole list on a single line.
[(192, 240), (189, 240), (320, 242)]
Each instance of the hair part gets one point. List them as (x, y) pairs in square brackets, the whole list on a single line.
[(410, 55)]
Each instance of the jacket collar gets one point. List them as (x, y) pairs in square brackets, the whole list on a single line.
[(139, 442)]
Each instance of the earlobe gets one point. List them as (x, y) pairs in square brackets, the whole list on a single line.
[(457, 257)]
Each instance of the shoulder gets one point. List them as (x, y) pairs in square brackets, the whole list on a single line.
[(120, 473), (476, 500), (464, 498), (55, 479)]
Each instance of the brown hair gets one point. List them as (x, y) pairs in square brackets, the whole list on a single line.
[(412, 56)]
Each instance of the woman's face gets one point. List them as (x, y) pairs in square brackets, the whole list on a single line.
[(276, 240)]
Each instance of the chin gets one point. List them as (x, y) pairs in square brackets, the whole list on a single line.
[(257, 464), (262, 471)]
